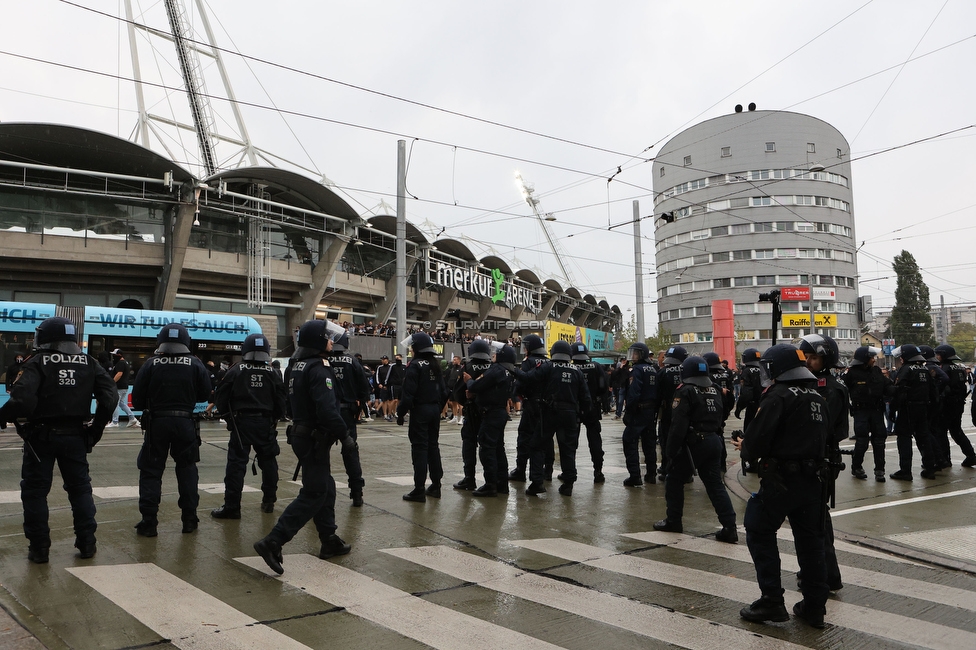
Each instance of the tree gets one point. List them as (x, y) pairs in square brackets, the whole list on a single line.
[(963, 338), (628, 335), (910, 321)]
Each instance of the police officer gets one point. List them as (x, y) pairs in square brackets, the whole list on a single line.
[(53, 390), (640, 416), (251, 399), (564, 396), (750, 386), (529, 451), (167, 388), (822, 355), (491, 391), (317, 425), (596, 382), (353, 391), (695, 439), (479, 360), (424, 395), (915, 391), (722, 378), (787, 440), (949, 421), (868, 387), (668, 379)]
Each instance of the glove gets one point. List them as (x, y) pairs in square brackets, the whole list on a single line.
[(93, 433), (738, 414), (349, 445), (400, 420)]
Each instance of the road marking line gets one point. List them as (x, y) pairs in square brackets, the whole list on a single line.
[(404, 613), (652, 621), (907, 587), (179, 612), (863, 619), (900, 502)]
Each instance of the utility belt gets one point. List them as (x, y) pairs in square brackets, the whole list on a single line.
[(645, 405), (349, 406), (776, 467), (562, 406), (54, 427), (171, 414), (302, 430), (700, 436), (254, 413)]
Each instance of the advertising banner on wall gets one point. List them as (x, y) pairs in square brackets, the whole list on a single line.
[(597, 341)]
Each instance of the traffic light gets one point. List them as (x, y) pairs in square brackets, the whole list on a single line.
[(773, 297)]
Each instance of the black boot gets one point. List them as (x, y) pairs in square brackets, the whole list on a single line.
[(517, 475), (566, 489), (765, 609), (434, 490), (416, 495), (333, 546), (668, 526), (467, 483), (728, 534), (535, 487), (147, 527), (270, 551), (190, 521), (633, 481), (38, 554), (226, 512), (357, 498), (486, 490), (598, 476)]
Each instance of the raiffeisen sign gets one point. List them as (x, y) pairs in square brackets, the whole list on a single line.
[(482, 283)]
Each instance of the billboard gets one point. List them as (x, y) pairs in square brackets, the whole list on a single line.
[(596, 341)]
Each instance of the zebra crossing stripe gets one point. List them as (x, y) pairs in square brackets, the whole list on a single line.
[(907, 587), (899, 502), (191, 618), (651, 621), (397, 610), (863, 619)]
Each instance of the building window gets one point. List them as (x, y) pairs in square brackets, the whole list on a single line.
[(741, 228), (758, 201), (726, 152), (739, 203), (720, 257), (764, 227), (840, 154), (742, 255), (770, 147), (662, 171), (721, 283), (687, 160), (811, 147), (744, 281), (702, 259), (703, 311), (720, 230), (785, 252), (805, 227), (743, 308), (764, 254), (766, 279)]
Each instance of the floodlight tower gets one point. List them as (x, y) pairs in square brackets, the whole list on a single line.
[(528, 192)]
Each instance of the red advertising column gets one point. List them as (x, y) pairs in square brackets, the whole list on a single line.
[(723, 330)]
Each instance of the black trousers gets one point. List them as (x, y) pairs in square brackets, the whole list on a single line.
[(491, 443), (176, 437), (425, 451), (253, 432), (67, 448), (316, 499), (350, 458)]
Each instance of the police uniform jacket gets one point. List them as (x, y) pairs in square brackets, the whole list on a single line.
[(349, 373), (791, 424), (751, 389), (170, 382), (529, 390), (867, 387), (474, 368), (642, 392), (957, 386), (723, 379), (695, 411), (312, 396), (422, 384), (596, 382), (562, 386), (668, 380), (914, 385), (56, 388), (251, 388), (493, 387), (835, 394)]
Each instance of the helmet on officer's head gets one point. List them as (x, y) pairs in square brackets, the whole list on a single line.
[(256, 348), (784, 362), (908, 353), (947, 353), (927, 351), (57, 333), (480, 349), (863, 354), (675, 355), (315, 334), (750, 357), (506, 354), (580, 353), (173, 338), (694, 370), (421, 343), (561, 351), (712, 359), (823, 346), (638, 352), (532, 344)]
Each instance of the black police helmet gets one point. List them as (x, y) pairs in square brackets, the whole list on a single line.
[(421, 343), (314, 335), (580, 353), (750, 356), (712, 359), (341, 344), (173, 338), (785, 363), (823, 346), (532, 344), (561, 351), (638, 352), (946, 352), (927, 352), (909, 353), (506, 354), (57, 333), (480, 349), (694, 370), (675, 355), (256, 348), (862, 355)]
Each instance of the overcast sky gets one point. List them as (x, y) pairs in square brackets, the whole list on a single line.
[(575, 89)]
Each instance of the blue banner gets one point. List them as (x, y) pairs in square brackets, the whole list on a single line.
[(23, 316), (141, 323)]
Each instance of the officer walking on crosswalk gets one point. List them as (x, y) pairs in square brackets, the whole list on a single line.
[(353, 392), (597, 382)]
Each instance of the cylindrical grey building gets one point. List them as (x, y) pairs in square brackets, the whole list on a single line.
[(747, 203)]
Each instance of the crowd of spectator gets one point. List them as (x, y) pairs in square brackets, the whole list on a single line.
[(439, 335)]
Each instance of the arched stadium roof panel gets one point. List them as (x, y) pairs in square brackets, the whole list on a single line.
[(604, 304), (290, 188), (387, 224), (456, 248), (59, 145), (574, 292), (528, 276), (495, 262), (553, 285)]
